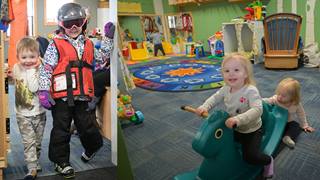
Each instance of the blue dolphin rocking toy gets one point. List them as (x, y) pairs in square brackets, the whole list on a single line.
[(222, 155)]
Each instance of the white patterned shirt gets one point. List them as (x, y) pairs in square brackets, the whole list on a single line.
[(245, 105)]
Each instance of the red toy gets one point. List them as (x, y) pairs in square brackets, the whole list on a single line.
[(250, 15)]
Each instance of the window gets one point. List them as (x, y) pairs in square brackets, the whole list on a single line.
[(51, 10)]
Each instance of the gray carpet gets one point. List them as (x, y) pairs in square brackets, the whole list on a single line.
[(17, 167), (94, 174), (160, 148)]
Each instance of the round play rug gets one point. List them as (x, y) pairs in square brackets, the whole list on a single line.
[(130, 62), (182, 75)]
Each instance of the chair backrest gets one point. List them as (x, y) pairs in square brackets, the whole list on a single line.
[(281, 33)]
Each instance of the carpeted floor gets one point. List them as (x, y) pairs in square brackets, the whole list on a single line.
[(96, 174), (17, 168), (178, 75), (160, 148)]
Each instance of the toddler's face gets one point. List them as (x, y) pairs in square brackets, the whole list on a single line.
[(234, 74), (283, 96), (28, 59)]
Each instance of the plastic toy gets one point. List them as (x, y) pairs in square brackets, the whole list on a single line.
[(97, 45), (4, 27), (257, 6), (167, 47), (199, 51), (264, 11), (189, 38), (173, 40), (127, 35), (219, 47), (222, 155), (50, 35), (190, 49), (150, 48), (126, 111), (96, 32), (138, 54), (250, 15), (216, 46), (211, 41), (254, 11)]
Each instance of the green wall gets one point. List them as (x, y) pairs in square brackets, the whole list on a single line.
[(132, 23), (169, 9), (208, 17)]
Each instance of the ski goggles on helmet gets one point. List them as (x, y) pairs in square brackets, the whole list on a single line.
[(75, 22)]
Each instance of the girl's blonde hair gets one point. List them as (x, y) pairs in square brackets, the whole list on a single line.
[(27, 43), (245, 62), (292, 86)]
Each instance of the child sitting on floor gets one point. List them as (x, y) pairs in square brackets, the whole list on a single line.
[(288, 96)]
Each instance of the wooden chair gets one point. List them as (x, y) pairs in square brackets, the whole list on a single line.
[(281, 32)]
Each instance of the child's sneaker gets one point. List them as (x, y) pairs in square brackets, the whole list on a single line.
[(32, 174), (268, 169), (65, 169), (86, 157), (39, 168), (288, 141)]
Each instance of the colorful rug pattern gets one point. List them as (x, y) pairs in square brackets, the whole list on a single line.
[(182, 75)]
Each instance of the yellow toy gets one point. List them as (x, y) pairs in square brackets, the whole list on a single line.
[(138, 54), (126, 111), (190, 49), (167, 47)]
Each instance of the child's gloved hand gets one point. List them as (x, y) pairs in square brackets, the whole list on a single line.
[(45, 99), (93, 103), (109, 29)]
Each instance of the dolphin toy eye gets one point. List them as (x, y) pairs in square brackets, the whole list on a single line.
[(218, 133)]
